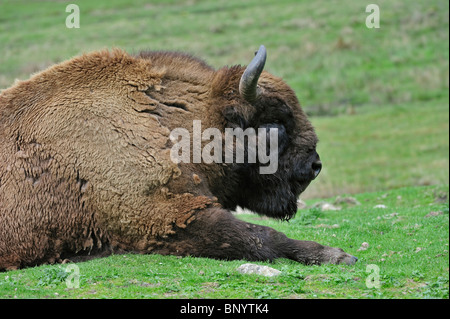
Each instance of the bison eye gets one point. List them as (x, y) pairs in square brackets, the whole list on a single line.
[(282, 135), (233, 118)]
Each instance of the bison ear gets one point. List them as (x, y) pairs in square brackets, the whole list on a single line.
[(248, 85)]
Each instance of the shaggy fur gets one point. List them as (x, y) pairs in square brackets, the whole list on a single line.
[(85, 166)]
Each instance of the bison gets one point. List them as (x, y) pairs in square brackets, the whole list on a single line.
[(86, 167)]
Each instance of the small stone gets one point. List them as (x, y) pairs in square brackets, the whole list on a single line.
[(380, 206), (328, 206), (301, 204), (323, 206), (432, 214), (346, 200), (364, 246), (266, 271)]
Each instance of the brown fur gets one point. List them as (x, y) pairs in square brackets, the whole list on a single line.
[(85, 163)]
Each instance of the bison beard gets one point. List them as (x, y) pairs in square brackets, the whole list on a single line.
[(85, 167)]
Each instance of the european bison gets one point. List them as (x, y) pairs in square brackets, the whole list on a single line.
[(87, 167)]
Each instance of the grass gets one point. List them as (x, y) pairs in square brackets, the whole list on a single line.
[(382, 148), (407, 244), (377, 97)]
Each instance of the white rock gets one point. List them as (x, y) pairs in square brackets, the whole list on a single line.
[(325, 206), (258, 270), (328, 206), (301, 204), (364, 246), (346, 200)]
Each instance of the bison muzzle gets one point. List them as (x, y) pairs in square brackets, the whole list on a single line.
[(86, 169)]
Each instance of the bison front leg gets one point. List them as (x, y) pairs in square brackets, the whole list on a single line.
[(216, 233)]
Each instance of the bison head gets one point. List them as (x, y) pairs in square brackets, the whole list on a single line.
[(265, 101)]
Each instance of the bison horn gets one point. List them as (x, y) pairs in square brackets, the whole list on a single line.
[(248, 86)]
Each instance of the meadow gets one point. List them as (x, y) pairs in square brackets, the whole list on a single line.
[(378, 99)]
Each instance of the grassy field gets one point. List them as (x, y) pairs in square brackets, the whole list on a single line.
[(407, 240), (377, 97), (382, 148)]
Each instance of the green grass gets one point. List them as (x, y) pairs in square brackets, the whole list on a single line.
[(382, 148), (410, 250), (377, 97)]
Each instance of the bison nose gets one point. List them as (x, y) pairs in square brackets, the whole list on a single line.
[(316, 168)]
